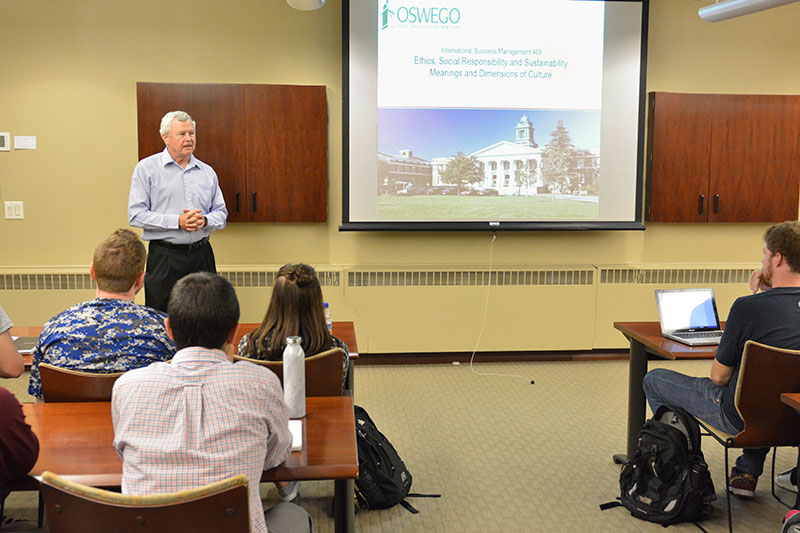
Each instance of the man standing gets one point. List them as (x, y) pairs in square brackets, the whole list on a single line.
[(110, 333), (771, 315), (176, 199), (202, 418)]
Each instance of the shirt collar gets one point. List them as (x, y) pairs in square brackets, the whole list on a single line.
[(166, 159), (199, 354)]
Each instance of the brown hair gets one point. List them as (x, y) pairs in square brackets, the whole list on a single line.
[(784, 239), (295, 308), (118, 261)]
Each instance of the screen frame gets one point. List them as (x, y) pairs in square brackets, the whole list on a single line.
[(348, 225)]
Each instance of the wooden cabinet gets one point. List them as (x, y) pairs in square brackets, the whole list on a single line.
[(267, 143), (723, 158)]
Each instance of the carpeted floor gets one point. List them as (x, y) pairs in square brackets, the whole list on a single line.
[(507, 455)]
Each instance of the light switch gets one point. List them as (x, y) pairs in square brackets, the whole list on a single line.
[(14, 210)]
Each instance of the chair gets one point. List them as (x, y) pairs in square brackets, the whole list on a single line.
[(323, 371), (73, 507), (765, 372), (63, 385)]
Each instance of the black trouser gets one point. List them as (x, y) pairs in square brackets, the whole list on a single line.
[(167, 263)]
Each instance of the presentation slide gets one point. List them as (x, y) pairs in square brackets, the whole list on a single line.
[(514, 111)]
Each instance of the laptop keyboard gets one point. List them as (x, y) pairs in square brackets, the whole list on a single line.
[(699, 334)]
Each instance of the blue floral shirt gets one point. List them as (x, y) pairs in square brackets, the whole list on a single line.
[(101, 335)]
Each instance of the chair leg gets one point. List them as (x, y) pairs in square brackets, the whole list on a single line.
[(40, 514), (727, 490), (775, 494)]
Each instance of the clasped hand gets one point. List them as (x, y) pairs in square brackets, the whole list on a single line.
[(191, 220)]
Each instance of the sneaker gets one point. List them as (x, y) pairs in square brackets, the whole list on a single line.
[(787, 480), (742, 484), (791, 522), (290, 491)]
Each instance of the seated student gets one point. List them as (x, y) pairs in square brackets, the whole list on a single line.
[(19, 447), (201, 418), (295, 309), (772, 316), (11, 365), (111, 333)]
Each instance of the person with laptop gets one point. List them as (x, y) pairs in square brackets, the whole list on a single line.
[(771, 315)]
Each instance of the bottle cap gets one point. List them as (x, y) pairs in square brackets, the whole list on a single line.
[(325, 304), (293, 340)]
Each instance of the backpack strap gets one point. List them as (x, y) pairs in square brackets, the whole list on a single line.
[(410, 508), (617, 503), (610, 505)]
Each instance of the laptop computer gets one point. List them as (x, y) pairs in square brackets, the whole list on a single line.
[(689, 316)]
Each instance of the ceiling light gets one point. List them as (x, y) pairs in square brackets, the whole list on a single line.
[(306, 5), (729, 9)]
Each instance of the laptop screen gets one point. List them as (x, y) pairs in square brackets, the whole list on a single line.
[(682, 309)]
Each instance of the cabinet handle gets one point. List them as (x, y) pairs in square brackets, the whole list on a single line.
[(702, 199), (254, 202), (237, 202), (716, 203)]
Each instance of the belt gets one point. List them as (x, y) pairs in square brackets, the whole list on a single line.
[(185, 247)]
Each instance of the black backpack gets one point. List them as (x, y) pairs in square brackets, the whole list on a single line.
[(667, 479), (383, 479)]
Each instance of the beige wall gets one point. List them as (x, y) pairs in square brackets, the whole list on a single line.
[(69, 73)]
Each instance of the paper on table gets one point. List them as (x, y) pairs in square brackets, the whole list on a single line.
[(296, 429), (25, 345)]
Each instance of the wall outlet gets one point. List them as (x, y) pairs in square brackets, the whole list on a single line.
[(14, 210)]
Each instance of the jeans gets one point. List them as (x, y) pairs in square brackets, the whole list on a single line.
[(702, 399)]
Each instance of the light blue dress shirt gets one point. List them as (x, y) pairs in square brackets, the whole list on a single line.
[(161, 189)]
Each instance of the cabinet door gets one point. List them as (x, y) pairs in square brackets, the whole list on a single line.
[(218, 110), (286, 153), (755, 161), (679, 137)]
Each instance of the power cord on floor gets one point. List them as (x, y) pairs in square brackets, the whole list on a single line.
[(483, 322)]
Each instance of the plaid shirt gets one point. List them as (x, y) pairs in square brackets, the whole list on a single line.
[(197, 420)]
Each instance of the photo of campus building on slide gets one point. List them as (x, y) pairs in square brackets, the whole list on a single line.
[(441, 164)]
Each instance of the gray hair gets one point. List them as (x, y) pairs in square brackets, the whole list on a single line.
[(180, 116)]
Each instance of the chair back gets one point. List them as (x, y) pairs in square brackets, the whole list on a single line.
[(323, 371), (75, 508), (764, 374), (63, 385)]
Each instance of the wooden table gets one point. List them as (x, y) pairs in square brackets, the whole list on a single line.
[(646, 338), (75, 440)]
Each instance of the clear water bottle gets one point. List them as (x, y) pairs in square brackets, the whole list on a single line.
[(294, 377), (328, 319)]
